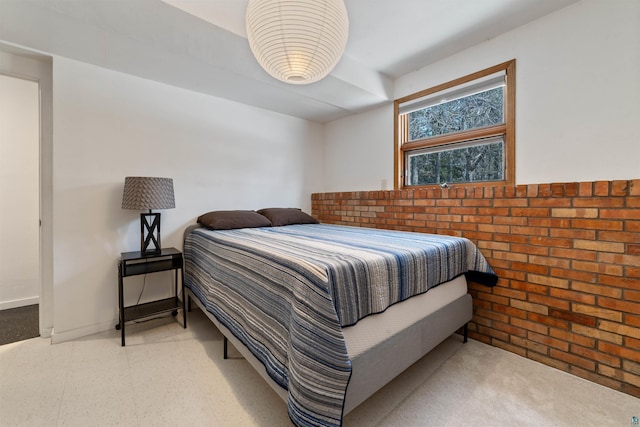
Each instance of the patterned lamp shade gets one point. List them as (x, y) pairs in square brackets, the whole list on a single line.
[(297, 41), (148, 193), (143, 193)]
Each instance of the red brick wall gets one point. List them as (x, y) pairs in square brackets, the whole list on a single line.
[(568, 258)]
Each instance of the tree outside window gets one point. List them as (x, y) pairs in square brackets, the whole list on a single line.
[(458, 132)]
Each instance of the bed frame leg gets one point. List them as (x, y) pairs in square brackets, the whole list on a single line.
[(465, 336), (226, 343)]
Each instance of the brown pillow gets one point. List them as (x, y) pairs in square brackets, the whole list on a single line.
[(228, 220), (287, 216)]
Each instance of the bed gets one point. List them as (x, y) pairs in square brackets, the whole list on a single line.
[(329, 314)]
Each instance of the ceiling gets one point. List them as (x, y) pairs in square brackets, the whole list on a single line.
[(201, 45)]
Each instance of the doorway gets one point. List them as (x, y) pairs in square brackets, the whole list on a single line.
[(19, 210)]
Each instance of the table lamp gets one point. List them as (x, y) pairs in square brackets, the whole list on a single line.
[(142, 193)]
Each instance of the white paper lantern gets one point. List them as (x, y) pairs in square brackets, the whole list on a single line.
[(297, 41)]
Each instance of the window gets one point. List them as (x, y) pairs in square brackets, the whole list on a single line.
[(462, 131)]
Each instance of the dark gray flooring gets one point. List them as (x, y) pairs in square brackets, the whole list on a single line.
[(18, 324)]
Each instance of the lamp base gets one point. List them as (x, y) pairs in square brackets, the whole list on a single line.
[(150, 233)]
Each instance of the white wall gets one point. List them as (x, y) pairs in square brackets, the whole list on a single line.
[(220, 154), (358, 152), (577, 103), (19, 193)]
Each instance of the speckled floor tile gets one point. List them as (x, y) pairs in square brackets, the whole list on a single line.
[(170, 376)]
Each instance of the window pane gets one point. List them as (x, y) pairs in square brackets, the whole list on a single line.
[(470, 112), (483, 161)]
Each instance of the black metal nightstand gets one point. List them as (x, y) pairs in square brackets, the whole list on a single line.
[(133, 264)]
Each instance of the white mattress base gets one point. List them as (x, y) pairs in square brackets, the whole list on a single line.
[(373, 329), (383, 345)]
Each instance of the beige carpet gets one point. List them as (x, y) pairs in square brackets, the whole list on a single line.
[(170, 376), (481, 385)]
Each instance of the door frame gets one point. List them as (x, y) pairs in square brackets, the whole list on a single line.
[(29, 65)]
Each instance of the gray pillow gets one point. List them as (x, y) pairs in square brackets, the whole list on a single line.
[(287, 216), (228, 220)]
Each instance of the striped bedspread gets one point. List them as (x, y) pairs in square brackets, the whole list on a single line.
[(286, 292)]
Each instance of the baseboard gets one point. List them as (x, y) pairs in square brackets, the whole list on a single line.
[(5, 305), (59, 337)]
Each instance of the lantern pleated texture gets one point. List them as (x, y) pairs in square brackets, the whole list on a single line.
[(297, 41)]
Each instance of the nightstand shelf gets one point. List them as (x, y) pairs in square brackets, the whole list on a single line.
[(152, 308), (146, 266), (133, 264)]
